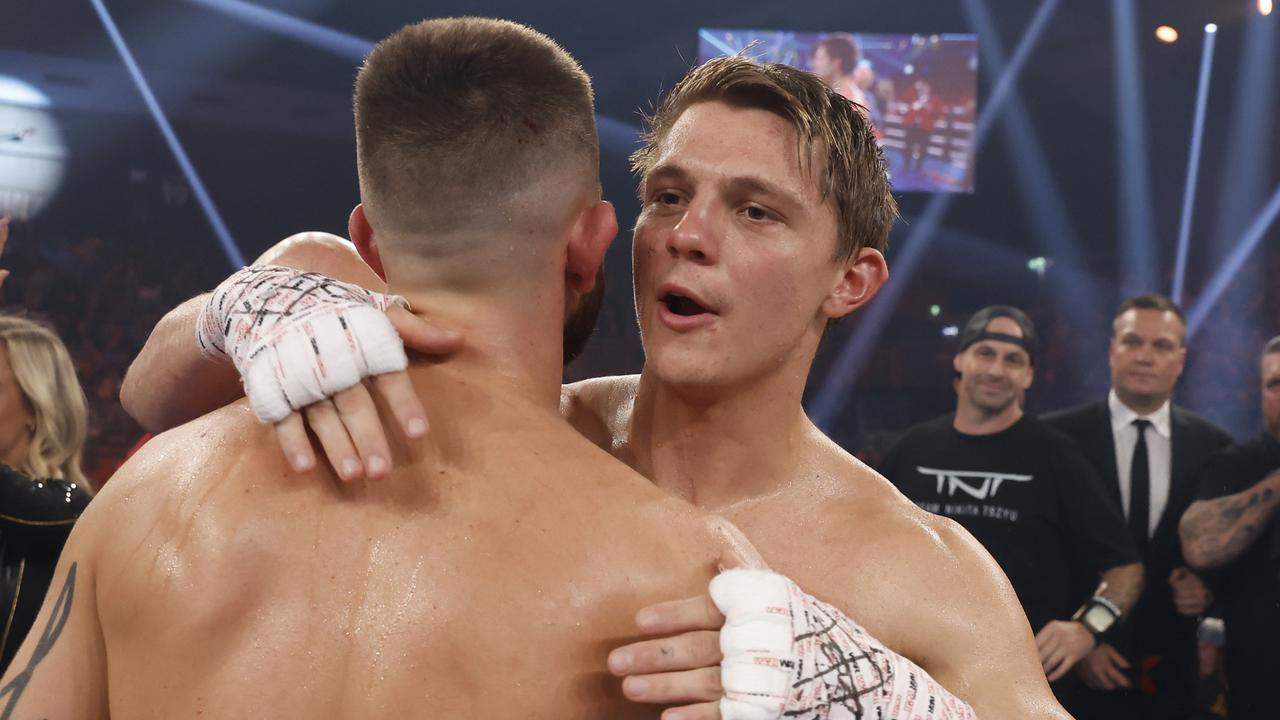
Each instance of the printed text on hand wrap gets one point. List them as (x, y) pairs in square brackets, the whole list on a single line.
[(298, 337), (786, 654)]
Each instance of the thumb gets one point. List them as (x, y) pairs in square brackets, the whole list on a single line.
[(733, 558), (736, 552), (420, 335)]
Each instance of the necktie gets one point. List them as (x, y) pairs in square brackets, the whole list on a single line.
[(1140, 486)]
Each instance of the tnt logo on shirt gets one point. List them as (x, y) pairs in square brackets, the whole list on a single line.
[(980, 485)]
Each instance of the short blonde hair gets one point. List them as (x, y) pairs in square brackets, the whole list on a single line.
[(852, 171), (44, 372)]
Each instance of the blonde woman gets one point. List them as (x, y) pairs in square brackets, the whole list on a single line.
[(42, 489)]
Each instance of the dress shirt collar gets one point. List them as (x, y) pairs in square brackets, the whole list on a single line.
[(1122, 416)]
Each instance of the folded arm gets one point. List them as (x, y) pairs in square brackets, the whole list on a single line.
[(172, 381), (1215, 532)]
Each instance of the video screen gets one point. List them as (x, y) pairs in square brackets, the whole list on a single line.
[(919, 91)]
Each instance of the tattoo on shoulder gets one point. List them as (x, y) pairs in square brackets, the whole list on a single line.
[(12, 691)]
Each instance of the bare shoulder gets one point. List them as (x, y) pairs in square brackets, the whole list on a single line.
[(323, 253), (926, 547), (600, 408), (969, 628), (178, 467)]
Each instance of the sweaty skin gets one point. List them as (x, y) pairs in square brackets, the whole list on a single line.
[(732, 220), (915, 581), (839, 530), (488, 576)]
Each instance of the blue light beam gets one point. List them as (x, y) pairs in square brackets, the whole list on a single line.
[(1227, 271), (229, 247), (857, 349), (1193, 164), (334, 41), (1137, 239), (615, 135), (1054, 233)]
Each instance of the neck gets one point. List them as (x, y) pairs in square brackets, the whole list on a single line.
[(1142, 405), (16, 456), (720, 447), (511, 341), (974, 420)]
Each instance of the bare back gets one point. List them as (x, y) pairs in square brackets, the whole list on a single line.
[(488, 577)]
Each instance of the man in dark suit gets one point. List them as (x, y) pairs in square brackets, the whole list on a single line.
[(1147, 451)]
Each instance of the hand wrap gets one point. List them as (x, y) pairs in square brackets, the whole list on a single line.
[(786, 654), (298, 337)]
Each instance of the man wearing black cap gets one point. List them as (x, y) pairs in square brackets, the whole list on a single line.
[(1147, 451), (1024, 492)]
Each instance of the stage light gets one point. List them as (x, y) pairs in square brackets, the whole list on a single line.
[(1167, 34), (950, 331), (619, 136), (857, 349), (1223, 276), (33, 155), (1264, 7), (229, 247), (1211, 28), (1193, 164), (935, 310), (1138, 250)]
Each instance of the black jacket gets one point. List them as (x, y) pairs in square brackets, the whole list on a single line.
[(1155, 626), (35, 521)]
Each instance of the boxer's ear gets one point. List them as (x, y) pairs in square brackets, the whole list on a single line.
[(860, 278), (362, 235), (589, 240)]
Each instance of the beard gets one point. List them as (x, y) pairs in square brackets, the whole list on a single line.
[(994, 407), (582, 319)]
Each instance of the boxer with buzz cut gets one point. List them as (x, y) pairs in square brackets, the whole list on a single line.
[(490, 572), (765, 212)]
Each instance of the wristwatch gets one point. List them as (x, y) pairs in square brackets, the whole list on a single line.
[(1098, 615)]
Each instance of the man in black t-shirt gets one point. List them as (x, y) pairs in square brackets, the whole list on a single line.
[(1233, 526), (1024, 492)]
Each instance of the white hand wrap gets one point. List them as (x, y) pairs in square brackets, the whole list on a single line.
[(298, 337), (786, 654)]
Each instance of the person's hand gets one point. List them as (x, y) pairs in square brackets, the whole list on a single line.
[(1103, 669), (1062, 644), (681, 663), (1210, 656), (348, 427), (4, 238), (1190, 595)]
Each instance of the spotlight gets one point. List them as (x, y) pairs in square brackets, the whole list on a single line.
[(1039, 265), (1167, 34), (1264, 7), (1211, 28), (935, 310), (950, 331)]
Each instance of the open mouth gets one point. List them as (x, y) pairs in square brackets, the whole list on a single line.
[(681, 305)]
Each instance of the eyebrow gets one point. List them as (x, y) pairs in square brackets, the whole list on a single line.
[(667, 171), (744, 184)]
